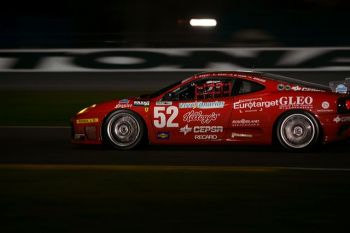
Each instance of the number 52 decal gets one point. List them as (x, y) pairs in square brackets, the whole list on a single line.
[(164, 117)]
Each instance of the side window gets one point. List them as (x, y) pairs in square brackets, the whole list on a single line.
[(245, 87), (182, 93), (216, 88), (202, 89)]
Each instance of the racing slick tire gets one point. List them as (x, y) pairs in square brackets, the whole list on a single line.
[(124, 130), (298, 131)]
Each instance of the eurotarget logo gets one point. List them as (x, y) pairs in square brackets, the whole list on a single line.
[(253, 105), (284, 102)]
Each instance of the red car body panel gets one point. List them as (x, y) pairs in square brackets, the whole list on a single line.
[(239, 119)]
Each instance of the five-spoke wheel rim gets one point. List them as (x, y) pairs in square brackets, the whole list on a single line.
[(297, 131), (123, 129)]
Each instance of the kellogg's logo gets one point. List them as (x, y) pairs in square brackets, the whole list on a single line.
[(199, 116)]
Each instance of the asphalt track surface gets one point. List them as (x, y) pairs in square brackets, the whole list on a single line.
[(51, 145)]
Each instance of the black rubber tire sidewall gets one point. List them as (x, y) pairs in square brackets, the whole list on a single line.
[(314, 141), (137, 143)]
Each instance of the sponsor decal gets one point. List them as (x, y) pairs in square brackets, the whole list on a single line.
[(141, 103), (200, 117), (146, 109), (340, 119), (203, 105), (164, 103), (253, 105), (325, 104), (206, 137), (245, 123), (202, 129), (87, 121), (163, 135), (285, 102), (325, 107), (208, 129), (185, 129), (241, 135), (341, 88), (123, 106), (124, 101), (304, 102), (299, 88)]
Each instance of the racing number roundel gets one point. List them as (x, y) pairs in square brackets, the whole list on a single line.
[(164, 117)]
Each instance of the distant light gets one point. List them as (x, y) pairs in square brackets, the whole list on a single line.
[(203, 22)]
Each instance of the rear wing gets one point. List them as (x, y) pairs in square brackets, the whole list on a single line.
[(341, 87)]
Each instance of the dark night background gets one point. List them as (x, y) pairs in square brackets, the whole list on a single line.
[(48, 185), (123, 23)]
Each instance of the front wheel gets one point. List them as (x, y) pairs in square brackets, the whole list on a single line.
[(123, 129), (298, 131)]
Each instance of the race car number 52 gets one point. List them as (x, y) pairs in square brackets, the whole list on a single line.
[(165, 117)]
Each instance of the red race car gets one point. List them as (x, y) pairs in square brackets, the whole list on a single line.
[(222, 108)]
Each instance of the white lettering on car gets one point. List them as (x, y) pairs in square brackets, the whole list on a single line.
[(284, 102), (199, 116), (206, 137), (203, 105), (164, 117)]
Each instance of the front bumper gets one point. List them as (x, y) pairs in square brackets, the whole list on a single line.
[(85, 131)]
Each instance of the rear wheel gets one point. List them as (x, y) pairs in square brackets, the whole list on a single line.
[(123, 129), (298, 131)]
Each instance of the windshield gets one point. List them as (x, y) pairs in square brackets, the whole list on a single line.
[(295, 81), (159, 92)]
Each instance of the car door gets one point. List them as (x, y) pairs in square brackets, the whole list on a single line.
[(248, 116), (196, 113)]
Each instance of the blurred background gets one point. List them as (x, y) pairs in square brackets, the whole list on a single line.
[(130, 23), (89, 51)]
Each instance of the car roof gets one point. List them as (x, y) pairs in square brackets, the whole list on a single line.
[(265, 76)]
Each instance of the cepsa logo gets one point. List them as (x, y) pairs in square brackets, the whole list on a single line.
[(201, 129), (285, 102)]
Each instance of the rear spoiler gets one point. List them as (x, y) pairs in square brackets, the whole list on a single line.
[(341, 87)]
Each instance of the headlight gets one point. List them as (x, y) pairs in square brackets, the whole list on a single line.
[(85, 109)]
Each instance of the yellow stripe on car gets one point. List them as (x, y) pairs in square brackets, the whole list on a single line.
[(87, 121)]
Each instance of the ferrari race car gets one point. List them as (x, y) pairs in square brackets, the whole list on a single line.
[(222, 108)]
